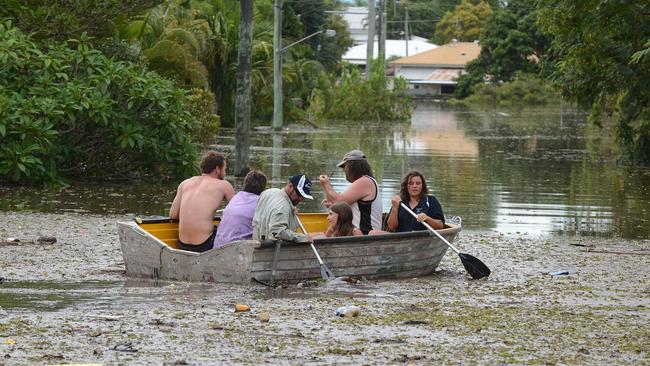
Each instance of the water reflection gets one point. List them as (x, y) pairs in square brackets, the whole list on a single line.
[(514, 171)]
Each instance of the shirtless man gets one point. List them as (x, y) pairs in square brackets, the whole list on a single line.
[(362, 195), (196, 201)]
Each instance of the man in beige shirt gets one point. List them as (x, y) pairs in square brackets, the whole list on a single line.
[(275, 214), (196, 201)]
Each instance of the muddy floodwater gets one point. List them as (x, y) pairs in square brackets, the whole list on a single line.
[(563, 226)]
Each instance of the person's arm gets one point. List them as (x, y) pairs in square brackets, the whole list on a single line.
[(228, 191), (356, 232), (330, 193), (278, 226), (434, 216), (435, 224), (175, 210), (356, 191), (393, 222), (319, 235)]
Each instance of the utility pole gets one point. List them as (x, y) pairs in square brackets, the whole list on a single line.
[(382, 32), (277, 66), (278, 51), (406, 29), (371, 37), (243, 100), (380, 22)]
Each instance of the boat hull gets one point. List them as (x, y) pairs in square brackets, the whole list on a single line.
[(400, 255), (393, 255), (146, 256)]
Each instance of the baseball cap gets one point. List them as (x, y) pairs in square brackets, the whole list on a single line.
[(352, 155), (302, 184)]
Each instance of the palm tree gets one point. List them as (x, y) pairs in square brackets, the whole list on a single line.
[(172, 40)]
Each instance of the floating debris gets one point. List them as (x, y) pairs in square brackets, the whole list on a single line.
[(264, 317), (559, 273), (349, 311), (241, 307), (46, 240)]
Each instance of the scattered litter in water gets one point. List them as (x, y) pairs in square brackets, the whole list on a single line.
[(414, 322), (349, 311), (241, 308), (559, 273)]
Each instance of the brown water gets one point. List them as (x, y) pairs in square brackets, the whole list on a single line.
[(531, 171), (535, 172)]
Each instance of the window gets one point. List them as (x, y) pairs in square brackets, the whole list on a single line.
[(447, 89)]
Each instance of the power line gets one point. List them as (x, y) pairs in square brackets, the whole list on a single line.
[(414, 21)]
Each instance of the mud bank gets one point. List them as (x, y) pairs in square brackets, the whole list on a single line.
[(69, 302)]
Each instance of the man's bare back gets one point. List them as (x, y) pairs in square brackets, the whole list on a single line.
[(196, 201)]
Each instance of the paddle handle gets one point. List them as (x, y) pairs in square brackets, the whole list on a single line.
[(313, 248), (430, 228)]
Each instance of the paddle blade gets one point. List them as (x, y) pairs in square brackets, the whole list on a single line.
[(326, 273), (474, 266)]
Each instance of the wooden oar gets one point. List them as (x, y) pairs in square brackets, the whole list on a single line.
[(473, 265), (325, 272)]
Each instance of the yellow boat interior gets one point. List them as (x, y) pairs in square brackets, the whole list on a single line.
[(166, 230)]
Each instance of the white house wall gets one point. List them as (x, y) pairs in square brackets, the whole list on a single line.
[(414, 73)]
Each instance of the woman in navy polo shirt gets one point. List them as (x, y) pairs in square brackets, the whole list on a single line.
[(414, 193)]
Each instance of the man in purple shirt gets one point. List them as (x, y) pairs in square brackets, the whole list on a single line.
[(237, 219)]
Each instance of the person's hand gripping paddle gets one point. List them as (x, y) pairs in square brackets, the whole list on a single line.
[(473, 265)]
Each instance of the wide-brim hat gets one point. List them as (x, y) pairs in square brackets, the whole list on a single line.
[(351, 156)]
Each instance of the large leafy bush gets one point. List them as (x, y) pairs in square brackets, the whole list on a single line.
[(525, 89), (68, 111), (357, 98)]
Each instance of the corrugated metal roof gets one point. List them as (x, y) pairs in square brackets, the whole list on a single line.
[(443, 75), (449, 55)]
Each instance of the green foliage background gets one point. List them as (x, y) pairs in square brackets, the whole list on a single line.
[(602, 49), (68, 111), (360, 99), (465, 23)]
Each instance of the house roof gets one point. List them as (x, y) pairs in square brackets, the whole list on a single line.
[(394, 48), (456, 54)]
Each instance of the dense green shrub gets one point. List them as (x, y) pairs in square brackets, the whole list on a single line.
[(68, 111), (526, 89), (60, 20), (357, 98), (206, 124)]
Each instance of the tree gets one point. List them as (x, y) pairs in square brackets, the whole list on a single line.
[(66, 110), (356, 98), (312, 17), (464, 23), (601, 48), (60, 20), (511, 43), (173, 40), (423, 16)]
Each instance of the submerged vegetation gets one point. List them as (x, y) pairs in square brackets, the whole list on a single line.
[(528, 90), (358, 99)]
